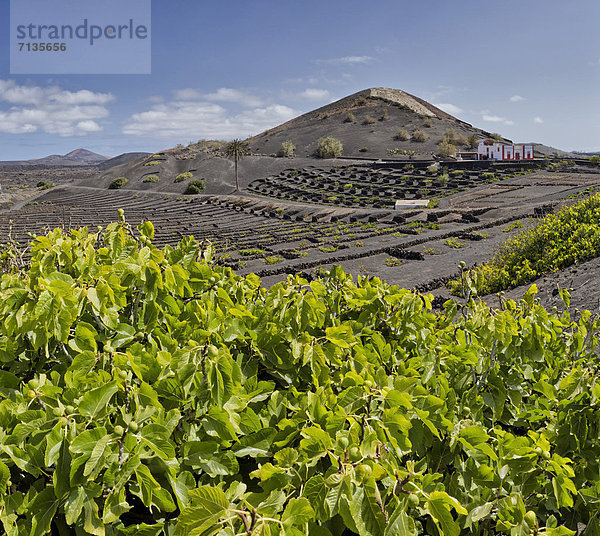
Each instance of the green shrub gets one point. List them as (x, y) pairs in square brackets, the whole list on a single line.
[(117, 183), (195, 186), (349, 118), (153, 163), (273, 259), (402, 135), (571, 236), (329, 147), (419, 136), (462, 140), (151, 178), (287, 149), (447, 149), (454, 243), (488, 175), (442, 180), (251, 252), (428, 123), (595, 159), (514, 225), (393, 261), (473, 141), (368, 120), (43, 185), (183, 176), (449, 136)]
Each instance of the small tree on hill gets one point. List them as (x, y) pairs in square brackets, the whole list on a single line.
[(329, 147), (402, 134), (419, 136), (288, 149), (447, 149), (236, 149)]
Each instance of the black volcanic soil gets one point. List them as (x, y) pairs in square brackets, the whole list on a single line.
[(414, 248)]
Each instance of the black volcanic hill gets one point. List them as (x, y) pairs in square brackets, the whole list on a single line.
[(367, 124)]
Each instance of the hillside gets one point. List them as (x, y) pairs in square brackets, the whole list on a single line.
[(121, 159), (369, 119)]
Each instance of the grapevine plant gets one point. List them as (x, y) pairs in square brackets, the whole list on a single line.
[(150, 392)]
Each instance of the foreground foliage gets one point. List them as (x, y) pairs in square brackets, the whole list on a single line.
[(146, 391), (568, 237)]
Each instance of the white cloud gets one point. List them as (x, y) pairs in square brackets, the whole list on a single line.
[(183, 119), (449, 108), (496, 119), (538, 120), (50, 109), (517, 98), (310, 94), (224, 94), (493, 118), (347, 60), (89, 126)]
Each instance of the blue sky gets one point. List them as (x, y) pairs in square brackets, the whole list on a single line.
[(528, 70)]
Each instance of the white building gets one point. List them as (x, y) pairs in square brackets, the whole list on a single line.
[(489, 150)]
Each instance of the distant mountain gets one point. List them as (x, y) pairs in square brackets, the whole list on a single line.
[(78, 157)]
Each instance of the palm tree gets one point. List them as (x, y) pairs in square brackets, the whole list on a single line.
[(236, 149)]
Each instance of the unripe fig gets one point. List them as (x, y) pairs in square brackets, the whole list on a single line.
[(354, 454), (413, 500), (119, 430), (133, 426), (360, 473), (531, 519)]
